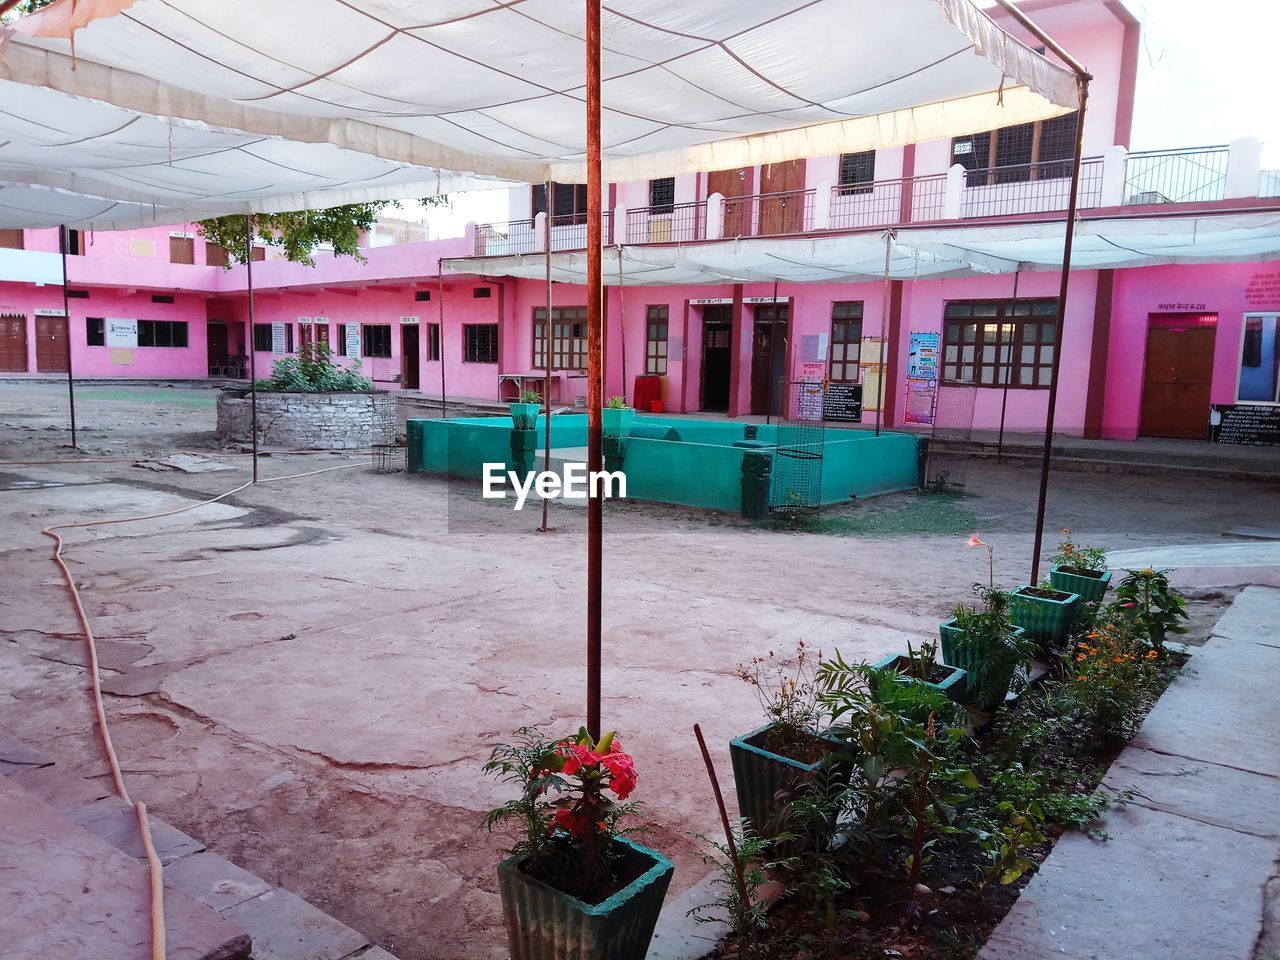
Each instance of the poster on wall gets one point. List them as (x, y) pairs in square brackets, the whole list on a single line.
[(922, 357), (122, 334), (919, 405), (922, 377), (277, 338), (353, 339)]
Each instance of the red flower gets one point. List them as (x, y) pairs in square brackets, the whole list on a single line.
[(622, 771), (574, 823), (579, 757)]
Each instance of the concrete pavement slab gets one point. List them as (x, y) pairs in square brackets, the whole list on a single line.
[(1252, 617), (116, 822), (286, 927), (214, 881)]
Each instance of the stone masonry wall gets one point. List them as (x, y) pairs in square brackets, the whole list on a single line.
[(305, 421)]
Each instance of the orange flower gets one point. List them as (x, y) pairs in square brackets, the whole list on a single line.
[(1151, 654), (1082, 678)]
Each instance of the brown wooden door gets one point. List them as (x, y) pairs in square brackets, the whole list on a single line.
[(13, 343), (769, 359), (782, 197), (1175, 389), (737, 213), (717, 356), (51, 344), (216, 339), (410, 365)]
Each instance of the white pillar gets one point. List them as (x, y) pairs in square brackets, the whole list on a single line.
[(715, 216), (953, 198), (621, 228), (1244, 168), (540, 232), (1115, 163), (822, 206)]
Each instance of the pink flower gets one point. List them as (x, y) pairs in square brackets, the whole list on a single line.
[(579, 757), (973, 541), (622, 770)]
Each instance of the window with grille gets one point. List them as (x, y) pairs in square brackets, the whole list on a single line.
[(262, 338), (95, 331), (662, 195), (846, 340), (342, 339), (857, 172), (994, 343), (568, 202), (215, 255), (182, 250), (433, 341), (480, 343), (375, 340), (655, 350), (162, 333), (258, 254), (11, 239), (568, 338), (1029, 151)]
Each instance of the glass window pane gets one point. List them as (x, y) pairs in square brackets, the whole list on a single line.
[(1258, 359)]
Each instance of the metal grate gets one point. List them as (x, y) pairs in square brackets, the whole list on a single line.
[(797, 461), (1194, 175), (947, 466)]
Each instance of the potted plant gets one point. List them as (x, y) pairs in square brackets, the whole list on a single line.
[(1079, 569), (617, 417), (786, 751), (1045, 614), (1156, 608), (524, 410), (983, 640), (573, 886), (922, 666)]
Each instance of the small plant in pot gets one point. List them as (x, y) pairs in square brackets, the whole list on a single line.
[(1079, 569), (524, 410), (1046, 615), (617, 417), (922, 666), (790, 748), (983, 639), (574, 887)]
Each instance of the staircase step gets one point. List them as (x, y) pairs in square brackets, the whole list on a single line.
[(69, 893)]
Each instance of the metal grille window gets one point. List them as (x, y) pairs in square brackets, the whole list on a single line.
[(655, 350), (1000, 342), (95, 332), (375, 340), (182, 250), (568, 338), (568, 202), (480, 343), (262, 337), (1032, 151), (342, 340), (857, 172), (433, 341), (162, 333), (846, 340), (662, 195)]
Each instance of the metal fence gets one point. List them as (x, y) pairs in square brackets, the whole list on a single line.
[(768, 214), (569, 232), (1196, 175), (1029, 188), (668, 223), (501, 239)]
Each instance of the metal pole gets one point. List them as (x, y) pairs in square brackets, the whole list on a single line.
[(1047, 454), (444, 405), (253, 351), (884, 328), (595, 367), (1004, 399), (66, 318), (546, 358), (622, 318)]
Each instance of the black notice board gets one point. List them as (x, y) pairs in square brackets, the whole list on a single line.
[(1248, 423), (842, 401)]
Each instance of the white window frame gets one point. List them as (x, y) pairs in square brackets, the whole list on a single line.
[(1261, 315)]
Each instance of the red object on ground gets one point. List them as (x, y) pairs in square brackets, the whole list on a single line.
[(655, 406), (648, 390)]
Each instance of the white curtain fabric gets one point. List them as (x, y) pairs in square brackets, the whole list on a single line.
[(915, 254), (262, 105)]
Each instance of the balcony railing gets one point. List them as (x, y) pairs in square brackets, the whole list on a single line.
[(1030, 188), (769, 214), (672, 223), (883, 203), (504, 239), (1197, 175)]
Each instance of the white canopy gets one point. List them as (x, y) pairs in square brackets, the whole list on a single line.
[(251, 105), (916, 254)]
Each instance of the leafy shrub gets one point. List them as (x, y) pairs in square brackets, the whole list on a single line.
[(1146, 598), (313, 371)]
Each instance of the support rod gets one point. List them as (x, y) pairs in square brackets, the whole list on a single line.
[(595, 367), (1007, 370), (884, 329), (66, 318), (444, 397), (253, 347), (546, 356)]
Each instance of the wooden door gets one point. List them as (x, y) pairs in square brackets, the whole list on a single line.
[(216, 340), (737, 213), (409, 358), (782, 198), (769, 359), (13, 343), (717, 356), (1175, 388), (51, 344)]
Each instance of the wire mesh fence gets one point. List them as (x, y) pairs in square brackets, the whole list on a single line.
[(947, 464), (797, 461)]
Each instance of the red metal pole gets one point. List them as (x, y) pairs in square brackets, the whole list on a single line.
[(63, 243), (253, 368), (546, 356), (595, 367)]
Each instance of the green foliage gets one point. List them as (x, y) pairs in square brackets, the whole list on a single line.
[(728, 905), (1114, 677), (989, 636), (1146, 598), (1071, 554), (529, 396), (618, 402), (313, 371), (788, 697)]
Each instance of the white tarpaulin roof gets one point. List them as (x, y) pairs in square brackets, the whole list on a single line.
[(261, 104), (916, 254)]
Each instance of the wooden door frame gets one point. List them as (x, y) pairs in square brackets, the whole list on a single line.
[(1153, 323)]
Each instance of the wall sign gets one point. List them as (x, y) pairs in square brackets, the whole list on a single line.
[(277, 338), (1180, 306), (843, 401), (122, 334), (408, 319), (714, 301), (353, 339), (1263, 289), (49, 312), (1253, 424), (922, 356)]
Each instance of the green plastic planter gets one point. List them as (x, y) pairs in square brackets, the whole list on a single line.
[(953, 687), (967, 660), (616, 421), (525, 415), (545, 924), (1089, 589), (1043, 619), (759, 775)]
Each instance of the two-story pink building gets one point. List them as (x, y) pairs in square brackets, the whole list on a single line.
[(737, 282)]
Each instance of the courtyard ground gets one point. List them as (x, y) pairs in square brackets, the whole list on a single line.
[(308, 675)]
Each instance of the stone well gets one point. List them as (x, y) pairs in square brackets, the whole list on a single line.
[(304, 421)]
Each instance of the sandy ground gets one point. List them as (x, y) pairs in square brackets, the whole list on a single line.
[(308, 676)]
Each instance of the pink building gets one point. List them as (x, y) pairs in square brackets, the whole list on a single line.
[(1160, 325)]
